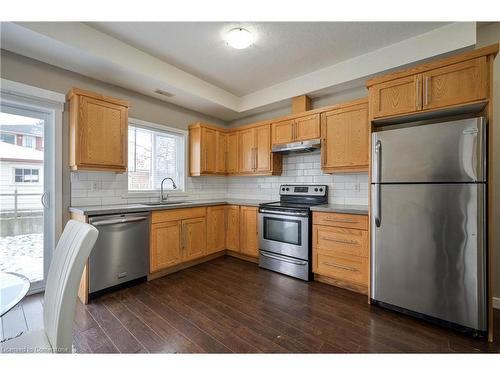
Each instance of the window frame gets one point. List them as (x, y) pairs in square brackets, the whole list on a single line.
[(8, 134), (181, 190), (29, 183), (32, 138)]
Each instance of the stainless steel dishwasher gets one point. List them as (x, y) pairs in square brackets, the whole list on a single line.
[(121, 254)]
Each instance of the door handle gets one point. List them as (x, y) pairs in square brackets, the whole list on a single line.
[(117, 221), (378, 206), (42, 199)]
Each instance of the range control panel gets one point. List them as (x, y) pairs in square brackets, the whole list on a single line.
[(304, 190)]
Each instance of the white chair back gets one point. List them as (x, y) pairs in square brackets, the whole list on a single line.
[(61, 289)]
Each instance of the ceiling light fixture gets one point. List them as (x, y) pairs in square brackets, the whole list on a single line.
[(239, 38)]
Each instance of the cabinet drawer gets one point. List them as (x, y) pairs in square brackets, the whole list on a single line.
[(180, 214), (344, 268), (340, 240), (341, 220)]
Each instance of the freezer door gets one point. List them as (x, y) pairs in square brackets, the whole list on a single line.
[(428, 253), (439, 152)]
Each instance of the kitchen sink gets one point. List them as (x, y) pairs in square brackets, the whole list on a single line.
[(164, 203)]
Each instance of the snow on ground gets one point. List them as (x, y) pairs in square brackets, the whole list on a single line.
[(23, 254)]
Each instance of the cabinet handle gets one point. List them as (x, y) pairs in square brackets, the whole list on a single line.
[(323, 153), (417, 89), (349, 242), (340, 220), (426, 94), (205, 157), (341, 266), (295, 131), (256, 158)]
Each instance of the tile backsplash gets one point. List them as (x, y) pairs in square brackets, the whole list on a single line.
[(100, 188)]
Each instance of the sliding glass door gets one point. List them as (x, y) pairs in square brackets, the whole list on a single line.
[(26, 191)]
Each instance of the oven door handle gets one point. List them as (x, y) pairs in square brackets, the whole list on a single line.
[(283, 213), (284, 259)]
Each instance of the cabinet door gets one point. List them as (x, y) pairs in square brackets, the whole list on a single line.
[(283, 131), (263, 148), (216, 229), (232, 152), (399, 96), (246, 148), (165, 245), (249, 241), (209, 150), (307, 128), (102, 134), (233, 228), (455, 84), (346, 137), (221, 153), (193, 238)]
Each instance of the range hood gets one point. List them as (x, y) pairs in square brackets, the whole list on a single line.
[(304, 146)]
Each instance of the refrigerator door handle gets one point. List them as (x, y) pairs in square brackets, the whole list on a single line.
[(377, 203)]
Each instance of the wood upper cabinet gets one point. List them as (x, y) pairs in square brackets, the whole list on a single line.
[(216, 229), (233, 228), (193, 238), (345, 139), (98, 130), (296, 129), (209, 138), (396, 97), (249, 240), (166, 248), (283, 131), (246, 151), (455, 84), (232, 153), (263, 148), (221, 153), (207, 150)]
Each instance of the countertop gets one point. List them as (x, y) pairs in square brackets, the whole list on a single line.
[(137, 207), (342, 209), (129, 208)]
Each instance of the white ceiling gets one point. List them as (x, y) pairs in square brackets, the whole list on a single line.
[(282, 51), (192, 62)]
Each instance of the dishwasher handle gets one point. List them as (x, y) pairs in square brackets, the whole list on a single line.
[(118, 221)]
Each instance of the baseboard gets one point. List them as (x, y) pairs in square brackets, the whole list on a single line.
[(496, 303)]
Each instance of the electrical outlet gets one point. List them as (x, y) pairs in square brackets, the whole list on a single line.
[(357, 187), (96, 185)]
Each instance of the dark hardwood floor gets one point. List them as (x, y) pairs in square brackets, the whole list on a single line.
[(231, 306)]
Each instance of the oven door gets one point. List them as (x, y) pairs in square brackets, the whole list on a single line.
[(284, 234)]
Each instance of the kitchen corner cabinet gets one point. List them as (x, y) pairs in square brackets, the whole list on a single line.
[(249, 240), (345, 138), (177, 236), (216, 229), (98, 129), (295, 130), (453, 82)]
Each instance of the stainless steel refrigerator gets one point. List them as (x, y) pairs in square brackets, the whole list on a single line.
[(428, 221)]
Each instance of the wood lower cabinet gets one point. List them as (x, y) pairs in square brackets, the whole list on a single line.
[(233, 228), (166, 249), (216, 229), (341, 249), (98, 129), (249, 239), (177, 236), (193, 235), (345, 138)]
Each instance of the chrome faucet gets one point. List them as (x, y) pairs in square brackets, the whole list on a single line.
[(162, 198)]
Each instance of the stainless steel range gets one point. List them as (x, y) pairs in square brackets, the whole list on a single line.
[(285, 230)]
